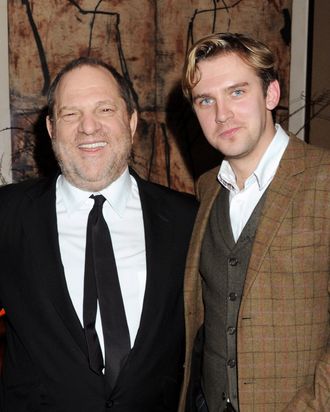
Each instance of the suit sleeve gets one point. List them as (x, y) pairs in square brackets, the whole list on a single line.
[(316, 398)]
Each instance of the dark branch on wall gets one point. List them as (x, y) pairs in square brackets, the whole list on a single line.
[(41, 51)]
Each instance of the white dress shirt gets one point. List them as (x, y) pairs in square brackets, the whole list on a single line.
[(123, 214), (242, 202)]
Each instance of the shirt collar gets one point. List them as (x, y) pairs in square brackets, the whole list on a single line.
[(266, 168), (116, 194)]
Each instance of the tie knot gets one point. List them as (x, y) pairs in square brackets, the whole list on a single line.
[(98, 200)]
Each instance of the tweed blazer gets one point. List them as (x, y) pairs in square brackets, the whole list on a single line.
[(283, 347)]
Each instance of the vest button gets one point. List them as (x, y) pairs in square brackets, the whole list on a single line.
[(231, 330), (231, 363), (233, 261), (109, 404), (232, 296)]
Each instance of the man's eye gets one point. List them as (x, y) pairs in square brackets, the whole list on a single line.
[(106, 110), (70, 116), (206, 101), (238, 92)]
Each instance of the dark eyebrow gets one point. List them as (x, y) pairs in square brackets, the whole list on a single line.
[(103, 102), (237, 86), (200, 96), (76, 108), (69, 108)]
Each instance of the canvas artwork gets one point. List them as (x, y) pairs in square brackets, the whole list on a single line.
[(146, 40)]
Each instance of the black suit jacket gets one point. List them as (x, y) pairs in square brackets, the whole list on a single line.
[(46, 366)]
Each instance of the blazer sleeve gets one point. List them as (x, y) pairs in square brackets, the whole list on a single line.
[(317, 397)]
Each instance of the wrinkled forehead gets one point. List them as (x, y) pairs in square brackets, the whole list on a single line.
[(84, 81)]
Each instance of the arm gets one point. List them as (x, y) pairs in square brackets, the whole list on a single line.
[(317, 397)]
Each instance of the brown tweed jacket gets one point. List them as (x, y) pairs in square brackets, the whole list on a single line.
[(283, 339)]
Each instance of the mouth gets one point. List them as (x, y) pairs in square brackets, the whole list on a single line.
[(92, 146), (229, 132)]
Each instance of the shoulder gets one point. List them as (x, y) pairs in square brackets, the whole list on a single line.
[(310, 166), (165, 196), (14, 191), (310, 162), (317, 157), (317, 173), (207, 182), (15, 195), (314, 155)]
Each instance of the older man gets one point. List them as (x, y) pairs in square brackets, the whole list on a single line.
[(94, 321)]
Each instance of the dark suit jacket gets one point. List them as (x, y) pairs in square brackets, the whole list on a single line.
[(283, 332), (45, 366)]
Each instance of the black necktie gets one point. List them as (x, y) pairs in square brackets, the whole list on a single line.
[(101, 282)]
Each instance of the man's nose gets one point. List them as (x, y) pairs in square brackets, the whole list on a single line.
[(223, 112), (89, 124)]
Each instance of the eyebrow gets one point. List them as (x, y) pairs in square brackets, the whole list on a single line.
[(228, 89), (98, 104), (62, 109), (200, 96), (237, 85)]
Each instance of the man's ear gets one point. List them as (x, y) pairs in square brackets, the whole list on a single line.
[(273, 95), (133, 123), (49, 125)]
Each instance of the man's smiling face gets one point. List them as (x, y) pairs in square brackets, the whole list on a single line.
[(91, 132)]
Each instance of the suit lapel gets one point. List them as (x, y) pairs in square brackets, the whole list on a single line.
[(41, 231), (159, 232), (207, 200), (194, 308), (279, 197)]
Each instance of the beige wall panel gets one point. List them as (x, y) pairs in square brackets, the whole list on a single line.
[(146, 41)]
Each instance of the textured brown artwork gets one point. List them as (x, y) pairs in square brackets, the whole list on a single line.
[(146, 40)]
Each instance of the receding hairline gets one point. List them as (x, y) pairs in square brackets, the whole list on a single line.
[(124, 86), (81, 67)]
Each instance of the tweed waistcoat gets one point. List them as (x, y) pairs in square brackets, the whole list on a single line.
[(223, 267)]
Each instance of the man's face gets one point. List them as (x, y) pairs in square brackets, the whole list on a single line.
[(233, 111), (91, 131)]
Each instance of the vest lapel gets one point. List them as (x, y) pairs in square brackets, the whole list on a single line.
[(223, 215)]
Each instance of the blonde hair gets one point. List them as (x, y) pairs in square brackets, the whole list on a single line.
[(254, 53)]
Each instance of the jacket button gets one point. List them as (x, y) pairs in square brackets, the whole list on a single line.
[(231, 330), (109, 404), (231, 363), (232, 296), (233, 261)]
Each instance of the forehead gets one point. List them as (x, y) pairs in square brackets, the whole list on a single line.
[(223, 70), (87, 81)]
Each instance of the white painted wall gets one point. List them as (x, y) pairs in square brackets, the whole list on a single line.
[(5, 135), (298, 68)]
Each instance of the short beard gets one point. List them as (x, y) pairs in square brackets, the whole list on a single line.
[(77, 178)]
